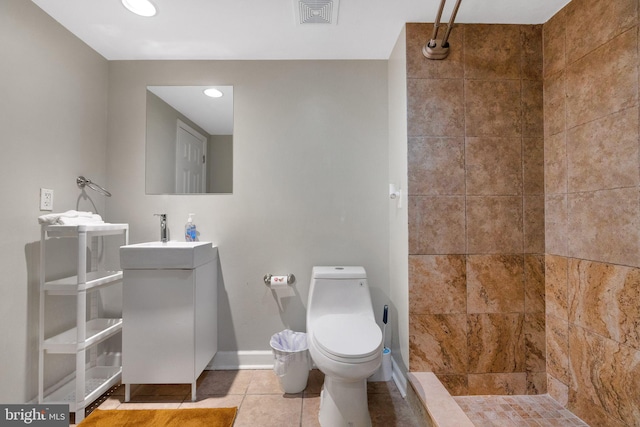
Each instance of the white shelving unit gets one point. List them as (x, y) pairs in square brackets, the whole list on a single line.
[(96, 377)]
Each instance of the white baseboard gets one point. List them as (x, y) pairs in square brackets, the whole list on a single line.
[(399, 377), (232, 360)]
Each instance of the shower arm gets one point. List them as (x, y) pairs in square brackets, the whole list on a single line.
[(436, 24), (445, 43), (82, 182)]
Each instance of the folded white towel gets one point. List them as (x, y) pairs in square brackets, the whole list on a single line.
[(70, 218)]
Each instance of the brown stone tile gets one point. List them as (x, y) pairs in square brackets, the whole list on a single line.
[(310, 411), (214, 401), (595, 162), (557, 332), (534, 283), (532, 108), (555, 103), (495, 283), (533, 163), (557, 390), (436, 166), (494, 224), (492, 51), (493, 166), (556, 223), (534, 224), (536, 383), (557, 286), (597, 21), (437, 284), (553, 36), (604, 299), (435, 107), (264, 382), (531, 57), (436, 225), (591, 76), (272, 411), (555, 164), (496, 343), (456, 385), (534, 342), (419, 67), (381, 416), (314, 383), (498, 383), (493, 108), (603, 226), (438, 343), (606, 380)]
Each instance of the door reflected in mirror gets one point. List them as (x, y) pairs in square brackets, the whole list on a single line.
[(189, 142)]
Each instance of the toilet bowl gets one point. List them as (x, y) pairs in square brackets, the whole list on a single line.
[(344, 342)]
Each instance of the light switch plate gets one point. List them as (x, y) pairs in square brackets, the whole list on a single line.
[(46, 199)]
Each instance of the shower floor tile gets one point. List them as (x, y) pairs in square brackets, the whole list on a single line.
[(517, 411)]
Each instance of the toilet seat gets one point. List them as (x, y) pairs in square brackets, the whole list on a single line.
[(347, 338)]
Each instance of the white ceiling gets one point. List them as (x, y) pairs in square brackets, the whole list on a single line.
[(254, 29)]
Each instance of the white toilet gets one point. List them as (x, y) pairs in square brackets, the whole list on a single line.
[(344, 342)]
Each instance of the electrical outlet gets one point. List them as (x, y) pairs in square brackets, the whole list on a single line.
[(46, 199)]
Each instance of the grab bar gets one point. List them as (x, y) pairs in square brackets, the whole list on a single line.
[(82, 182)]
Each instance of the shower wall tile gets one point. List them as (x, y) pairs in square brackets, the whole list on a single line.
[(555, 103), (605, 380), (534, 342), (555, 164), (492, 52), (603, 226), (533, 164), (437, 284), (558, 390), (600, 20), (532, 108), (494, 224), (419, 67), (557, 286), (435, 107), (536, 383), (557, 345), (603, 298), (491, 174), (499, 383), (591, 76), (531, 58), (436, 225), (438, 343), (493, 108), (456, 385), (534, 283), (533, 224), (594, 163), (496, 343), (556, 225), (553, 39), (436, 166), (495, 283)]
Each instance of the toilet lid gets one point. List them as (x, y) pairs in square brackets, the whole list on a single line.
[(347, 335)]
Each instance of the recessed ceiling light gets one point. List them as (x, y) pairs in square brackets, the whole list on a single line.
[(140, 7), (213, 92)]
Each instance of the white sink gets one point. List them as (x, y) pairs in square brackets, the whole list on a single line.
[(166, 255)]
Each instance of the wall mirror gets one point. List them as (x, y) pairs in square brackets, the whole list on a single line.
[(189, 143)]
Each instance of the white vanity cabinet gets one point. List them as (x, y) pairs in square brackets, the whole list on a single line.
[(169, 313), (95, 372)]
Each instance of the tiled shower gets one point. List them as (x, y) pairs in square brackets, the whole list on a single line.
[(524, 209)]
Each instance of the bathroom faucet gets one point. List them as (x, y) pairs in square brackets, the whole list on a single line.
[(163, 227)]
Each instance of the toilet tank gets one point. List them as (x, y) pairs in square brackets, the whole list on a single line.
[(338, 290)]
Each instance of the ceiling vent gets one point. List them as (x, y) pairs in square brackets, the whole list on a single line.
[(316, 11)]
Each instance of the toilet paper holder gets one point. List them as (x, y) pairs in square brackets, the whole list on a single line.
[(290, 279)]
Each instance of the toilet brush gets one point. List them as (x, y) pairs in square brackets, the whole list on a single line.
[(385, 314)]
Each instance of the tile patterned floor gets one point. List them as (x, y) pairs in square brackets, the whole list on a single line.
[(517, 411), (259, 399)]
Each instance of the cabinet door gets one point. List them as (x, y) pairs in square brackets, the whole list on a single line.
[(158, 326)]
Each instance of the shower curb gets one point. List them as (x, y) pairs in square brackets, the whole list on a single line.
[(433, 403)]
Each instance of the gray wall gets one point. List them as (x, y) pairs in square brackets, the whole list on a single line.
[(53, 124), (310, 180)]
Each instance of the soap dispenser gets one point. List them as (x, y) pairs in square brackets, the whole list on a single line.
[(190, 232)]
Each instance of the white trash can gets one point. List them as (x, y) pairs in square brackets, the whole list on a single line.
[(291, 360)]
